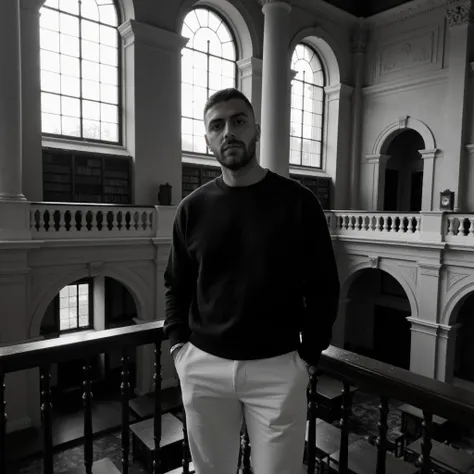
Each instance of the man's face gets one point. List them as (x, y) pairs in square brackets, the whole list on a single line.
[(231, 133)]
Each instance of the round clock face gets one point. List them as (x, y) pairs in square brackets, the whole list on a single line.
[(445, 201)]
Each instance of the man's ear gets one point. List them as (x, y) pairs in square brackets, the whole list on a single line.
[(258, 131)]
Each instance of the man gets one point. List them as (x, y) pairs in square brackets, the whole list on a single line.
[(251, 267)]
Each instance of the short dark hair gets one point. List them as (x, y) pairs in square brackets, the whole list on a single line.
[(225, 95)]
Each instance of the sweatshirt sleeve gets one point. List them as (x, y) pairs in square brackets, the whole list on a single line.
[(180, 283), (320, 282)]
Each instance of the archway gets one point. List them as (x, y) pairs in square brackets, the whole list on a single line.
[(376, 324), (404, 173), (85, 305), (464, 349)]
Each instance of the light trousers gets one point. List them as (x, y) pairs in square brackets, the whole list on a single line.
[(270, 394)]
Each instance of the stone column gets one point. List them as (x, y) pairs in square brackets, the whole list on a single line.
[(32, 160), (428, 157), (378, 164), (359, 47), (424, 335), (274, 147), (250, 80), (152, 61), (446, 352), (459, 15), (338, 158)]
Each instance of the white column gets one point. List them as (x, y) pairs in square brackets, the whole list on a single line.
[(10, 102), (378, 164), (428, 157), (359, 46), (32, 161), (423, 347), (152, 63), (446, 353), (250, 81), (274, 147), (459, 14)]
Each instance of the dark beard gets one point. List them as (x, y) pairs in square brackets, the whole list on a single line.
[(241, 158)]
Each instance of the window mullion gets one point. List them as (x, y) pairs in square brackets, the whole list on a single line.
[(302, 120), (80, 71)]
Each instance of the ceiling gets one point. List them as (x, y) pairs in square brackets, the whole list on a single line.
[(366, 8)]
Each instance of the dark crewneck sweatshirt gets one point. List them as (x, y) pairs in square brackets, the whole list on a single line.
[(250, 268)]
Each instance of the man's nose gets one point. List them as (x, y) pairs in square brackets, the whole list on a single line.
[(229, 131)]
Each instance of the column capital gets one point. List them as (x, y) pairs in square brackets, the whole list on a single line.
[(338, 91), (133, 31), (459, 12), (430, 269), (359, 38), (428, 154), (292, 74), (250, 66), (32, 5), (377, 159), (286, 4), (423, 326)]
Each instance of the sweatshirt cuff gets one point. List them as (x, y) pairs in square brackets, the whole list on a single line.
[(177, 334)]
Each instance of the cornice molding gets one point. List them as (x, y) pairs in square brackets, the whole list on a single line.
[(250, 66), (338, 91), (428, 154), (430, 269), (377, 159), (405, 12), (459, 12), (284, 4), (133, 31), (33, 6)]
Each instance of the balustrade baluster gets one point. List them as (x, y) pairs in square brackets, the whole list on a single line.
[(185, 445), (125, 389), (381, 441), (394, 224), (87, 399), (3, 425), (94, 224), (344, 424), (425, 458), (471, 228), (245, 449), (45, 379), (378, 223), (41, 223), (385, 223), (62, 220), (157, 419), (410, 225), (450, 226), (312, 414)]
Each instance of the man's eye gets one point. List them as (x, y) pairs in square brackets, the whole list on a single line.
[(216, 126), (239, 122)]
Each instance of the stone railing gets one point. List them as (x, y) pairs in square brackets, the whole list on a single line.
[(459, 228), (375, 225), (63, 220)]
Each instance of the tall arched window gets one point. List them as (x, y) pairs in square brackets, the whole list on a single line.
[(80, 69), (307, 108), (208, 65)]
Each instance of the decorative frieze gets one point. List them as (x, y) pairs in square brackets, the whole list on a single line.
[(452, 279), (459, 12)]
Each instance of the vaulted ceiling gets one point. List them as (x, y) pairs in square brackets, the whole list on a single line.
[(365, 8)]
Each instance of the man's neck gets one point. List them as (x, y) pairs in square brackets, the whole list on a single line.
[(250, 174)]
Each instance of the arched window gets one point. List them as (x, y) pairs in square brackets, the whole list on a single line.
[(307, 108), (80, 69), (208, 65)]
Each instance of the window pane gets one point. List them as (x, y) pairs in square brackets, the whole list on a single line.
[(215, 66), (91, 129), (199, 95), (108, 75), (109, 132), (187, 66), (108, 15), (89, 9), (63, 324), (228, 82), (69, 66), (202, 16), (296, 101), (52, 3), (91, 110), (68, 24), (187, 126), (207, 41), (83, 310), (50, 82), (200, 61), (109, 94), (91, 90), (49, 19), (108, 36), (228, 69), (295, 157), (223, 33), (69, 45), (90, 50), (215, 81), (200, 77), (228, 50), (191, 21), (71, 6), (49, 61), (51, 123), (71, 126), (90, 31), (109, 113), (214, 21), (108, 55), (72, 323), (83, 321), (296, 117), (199, 145), (186, 94), (70, 107), (187, 142), (50, 103), (315, 160), (70, 86), (83, 289), (91, 71), (49, 40)]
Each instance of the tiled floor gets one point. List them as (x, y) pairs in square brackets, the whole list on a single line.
[(363, 422)]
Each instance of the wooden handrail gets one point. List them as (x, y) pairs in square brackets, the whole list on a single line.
[(453, 403), (77, 346)]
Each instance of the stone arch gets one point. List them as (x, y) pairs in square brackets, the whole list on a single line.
[(327, 49), (238, 19), (127, 278), (386, 136), (451, 308), (392, 270)]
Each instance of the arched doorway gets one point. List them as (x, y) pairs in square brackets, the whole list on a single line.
[(464, 352), (86, 305), (404, 172), (376, 324)]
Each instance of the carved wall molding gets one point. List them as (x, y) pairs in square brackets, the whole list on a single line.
[(374, 261), (410, 272), (429, 269), (453, 278), (459, 12)]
